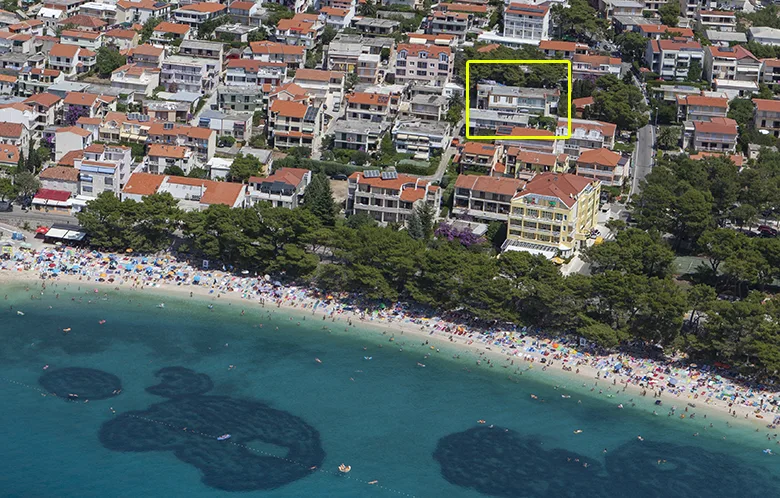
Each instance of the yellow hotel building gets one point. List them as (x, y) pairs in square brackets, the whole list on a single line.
[(553, 215)]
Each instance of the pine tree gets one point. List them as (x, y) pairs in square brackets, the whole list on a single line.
[(420, 222), (319, 200)]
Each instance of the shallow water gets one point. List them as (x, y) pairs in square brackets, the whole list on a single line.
[(412, 429)]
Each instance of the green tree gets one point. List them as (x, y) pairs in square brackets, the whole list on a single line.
[(7, 189), (109, 59), (669, 137), (243, 167), (694, 72), (619, 103), (26, 183), (579, 21), (601, 334), (319, 200), (367, 9), (632, 251), (198, 173), (632, 46), (741, 111), (148, 29), (328, 34), (670, 13), (174, 171)]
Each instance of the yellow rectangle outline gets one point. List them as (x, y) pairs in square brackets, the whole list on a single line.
[(521, 137)]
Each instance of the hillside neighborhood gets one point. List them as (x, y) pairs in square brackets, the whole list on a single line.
[(240, 103)]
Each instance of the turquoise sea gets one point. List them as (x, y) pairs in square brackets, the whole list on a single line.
[(161, 389)]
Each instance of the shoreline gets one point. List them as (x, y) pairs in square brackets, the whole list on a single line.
[(484, 353)]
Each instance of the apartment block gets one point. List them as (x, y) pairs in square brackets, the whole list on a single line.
[(292, 124), (527, 22), (715, 135), (733, 70), (389, 197), (701, 108), (431, 64), (671, 59), (484, 199), (766, 117)]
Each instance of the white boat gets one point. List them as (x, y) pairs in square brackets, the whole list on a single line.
[(223, 437)]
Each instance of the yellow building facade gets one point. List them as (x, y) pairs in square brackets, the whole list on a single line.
[(554, 214)]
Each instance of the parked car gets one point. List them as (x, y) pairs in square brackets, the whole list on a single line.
[(340, 176), (767, 231), (6, 206)]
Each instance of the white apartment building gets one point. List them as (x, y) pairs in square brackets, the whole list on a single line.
[(138, 79), (242, 72), (671, 58), (189, 74), (527, 22), (719, 20), (432, 64), (733, 70)]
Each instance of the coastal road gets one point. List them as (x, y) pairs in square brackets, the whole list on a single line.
[(34, 218), (643, 157)]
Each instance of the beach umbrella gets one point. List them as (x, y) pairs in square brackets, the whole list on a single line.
[(128, 250)]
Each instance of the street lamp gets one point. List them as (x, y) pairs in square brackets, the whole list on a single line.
[(656, 117)]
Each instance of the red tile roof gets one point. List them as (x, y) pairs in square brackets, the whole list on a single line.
[(414, 49), (11, 130), (602, 157), (84, 21), (527, 10), (70, 157), (317, 75), (266, 47), (703, 101), (490, 184), (362, 98), (126, 34), (735, 52), (61, 173), (564, 186), (478, 148), (159, 150), (289, 109), (169, 27), (61, 50), (531, 157), (74, 129), (80, 98), (290, 176), (766, 105), (9, 154), (725, 126), (205, 7), (737, 159), (147, 49), (143, 184), (75, 33)]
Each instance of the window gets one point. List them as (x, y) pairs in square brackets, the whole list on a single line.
[(108, 181), (423, 55), (86, 188)]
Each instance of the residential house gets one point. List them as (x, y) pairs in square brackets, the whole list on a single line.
[(661, 31), (302, 30), (427, 107), (764, 35), (715, 135), (166, 33), (611, 8), (586, 134), (189, 74), (562, 49), (478, 13), (720, 20), (23, 114), (246, 13), (62, 178), (326, 87), (138, 79), (424, 139), (125, 127), (79, 104), (83, 23), (701, 108), (370, 106), (140, 11), (525, 164), (84, 39), (202, 141), (595, 66), (234, 32), (337, 18), (69, 139), (267, 51), (285, 188), (358, 135), (193, 194), (47, 106), (520, 100), (292, 124), (146, 56), (526, 22), (104, 11), (160, 157), (103, 168), (17, 43), (33, 27), (173, 112), (241, 72), (389, 197), (670, 59), (71, 59), (198, 13), (244, 98), (50, 18), (478, 157), (553, 215), (604, 165), (766, 117), (69, 7), (357, 53), (431, 64), (449, 23), (770, 71), (484, 199), (200, 48), (733, 70), (123, 39), (545, 142), (238, 126), (370, 26)]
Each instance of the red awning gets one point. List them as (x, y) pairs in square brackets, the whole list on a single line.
[(42, 230)]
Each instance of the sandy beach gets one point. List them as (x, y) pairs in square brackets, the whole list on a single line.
[(516, 351)]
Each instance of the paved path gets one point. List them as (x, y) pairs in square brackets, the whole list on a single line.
[(643, 157)]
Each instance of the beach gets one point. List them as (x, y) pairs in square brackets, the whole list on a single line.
[(691, 389)]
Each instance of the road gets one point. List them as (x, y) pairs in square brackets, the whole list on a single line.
[(211, 99), (35, 218), (643, 157)]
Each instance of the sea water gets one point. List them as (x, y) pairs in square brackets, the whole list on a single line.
[(163, 382)]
